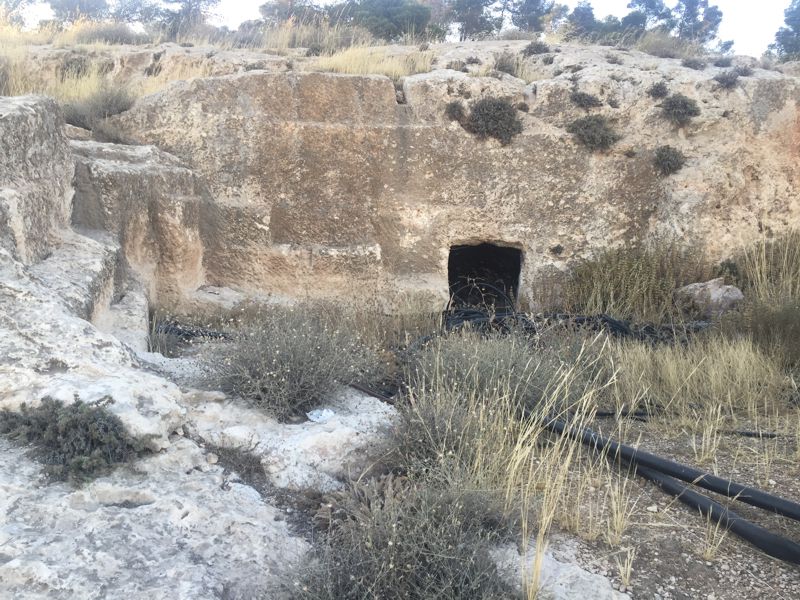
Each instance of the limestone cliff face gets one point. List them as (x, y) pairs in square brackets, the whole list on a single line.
[(324, 182)]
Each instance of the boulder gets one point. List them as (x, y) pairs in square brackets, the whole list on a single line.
[(711, 298)]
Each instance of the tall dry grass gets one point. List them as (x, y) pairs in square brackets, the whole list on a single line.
[(635, 281), (375, 61)]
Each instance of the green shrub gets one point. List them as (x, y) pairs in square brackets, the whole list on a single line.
[(473, 60), (669, 160), (694, 63), (285, 360), (614, 59), (104, 103), (634, 281), (658, 90), (77, 441), (548, 60), (393, 538), (679, 109), (455, 111), (743, 71), (594, 132), (494, 117), (723, 62), (535, 47), (585, 100), (727, 80)]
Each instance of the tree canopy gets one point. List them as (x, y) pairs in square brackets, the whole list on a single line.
[(787, 39)]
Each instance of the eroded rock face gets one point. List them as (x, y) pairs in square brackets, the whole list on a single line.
[(175, 527), (35, 176), (325, 185), (47, 350), (151, 204)]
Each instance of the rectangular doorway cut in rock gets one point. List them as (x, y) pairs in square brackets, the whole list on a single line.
[(484, 275)]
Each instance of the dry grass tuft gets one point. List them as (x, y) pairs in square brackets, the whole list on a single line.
[(635, 281), (375, 61)]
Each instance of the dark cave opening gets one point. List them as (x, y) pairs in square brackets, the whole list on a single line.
[(484, 275)]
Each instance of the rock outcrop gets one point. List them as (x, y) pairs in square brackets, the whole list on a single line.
[(324, 184), (35, 177)]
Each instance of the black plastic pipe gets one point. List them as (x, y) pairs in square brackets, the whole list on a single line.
[(637, 457), (768, 542)]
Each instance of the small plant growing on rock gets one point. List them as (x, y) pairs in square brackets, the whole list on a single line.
[(613, 59), (548, 60), (473, 60), (585, 100), (743, 71), (493, 117), (697, 64), (679, 109), (669, 160), (727, 80), (594, 132), (723, 62), (535, 47), (454, 111), (78, 441), (658, 90)]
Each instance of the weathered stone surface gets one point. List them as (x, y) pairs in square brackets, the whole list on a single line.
[(47, 350), (35, 176), (80, 271), (149, 202), (712, 298), (318, 454), (172, 526), (321, 198), (561, 577)]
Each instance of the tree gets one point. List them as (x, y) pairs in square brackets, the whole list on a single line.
[(787, 39), (11, 10), (655, 11), (473, 18), (279, 11), (528, 15), (582, 19), (182, 16), (696, 20), (137, 11), (72, 10), (389, 19)]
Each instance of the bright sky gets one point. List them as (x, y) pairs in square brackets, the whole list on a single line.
[(752, 25)]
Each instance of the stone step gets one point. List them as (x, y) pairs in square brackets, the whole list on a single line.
[(80, 270), (128, 317)]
